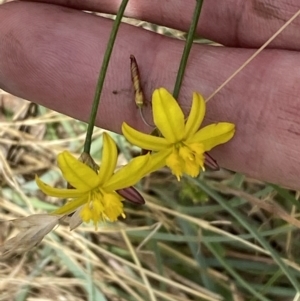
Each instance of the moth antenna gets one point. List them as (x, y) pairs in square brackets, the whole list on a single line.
[(144, 119)]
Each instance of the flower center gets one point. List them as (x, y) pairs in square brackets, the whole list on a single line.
[(102, 206), (186, 158)]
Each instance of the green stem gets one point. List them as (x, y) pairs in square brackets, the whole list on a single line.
[(187, 48), (102, 74)]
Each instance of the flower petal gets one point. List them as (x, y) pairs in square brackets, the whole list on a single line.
[(213, 134), (71, 206), (167, 115), (196, 116), (157, 161), (76, 173), (109, 159), (128, 175), (57, 192), (144, 141)]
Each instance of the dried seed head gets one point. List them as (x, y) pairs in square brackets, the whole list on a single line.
[(33, 229), (75, 219)]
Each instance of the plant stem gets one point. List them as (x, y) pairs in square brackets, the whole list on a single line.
[(101, 78), (187, 48)]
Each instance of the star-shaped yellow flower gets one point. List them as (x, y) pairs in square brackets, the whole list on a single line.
[(183, 144), (95, 191)]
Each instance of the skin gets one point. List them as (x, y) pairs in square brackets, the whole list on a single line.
[(52, 54)]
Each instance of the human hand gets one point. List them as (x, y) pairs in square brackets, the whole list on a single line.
[(52, 55)]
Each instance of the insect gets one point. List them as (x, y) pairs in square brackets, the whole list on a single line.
[(139, 97)]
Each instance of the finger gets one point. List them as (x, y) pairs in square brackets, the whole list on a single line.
[(55, 59), (232, 23)]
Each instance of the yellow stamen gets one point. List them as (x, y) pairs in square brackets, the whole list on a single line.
[(175, 163)]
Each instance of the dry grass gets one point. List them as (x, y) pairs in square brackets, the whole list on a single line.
[(220, 237)]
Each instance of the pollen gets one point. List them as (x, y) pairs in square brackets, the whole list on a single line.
[(175, 163), (102, 207), (186, 158)]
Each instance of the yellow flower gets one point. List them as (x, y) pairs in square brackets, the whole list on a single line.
[(95, 192), (183, 144)]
